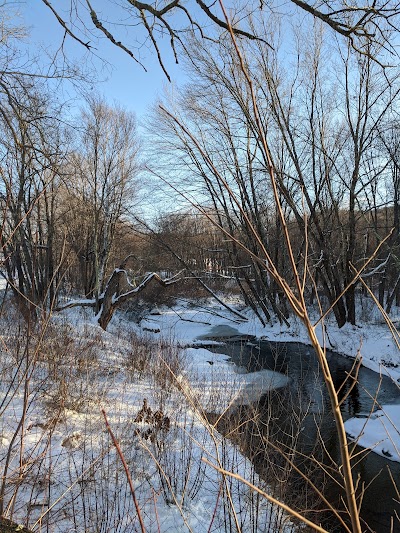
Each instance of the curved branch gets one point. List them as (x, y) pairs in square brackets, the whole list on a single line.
[(224, 25), (110, 37), (62, 23), (143, 8)]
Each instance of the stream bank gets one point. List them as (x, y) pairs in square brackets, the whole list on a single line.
[(294, 422)]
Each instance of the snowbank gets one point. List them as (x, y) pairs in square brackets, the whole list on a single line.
[(379, 432)]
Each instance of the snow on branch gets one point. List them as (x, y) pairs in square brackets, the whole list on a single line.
[(118, 290), (76, 303), (378, 269), (115, 293), (119, 298)]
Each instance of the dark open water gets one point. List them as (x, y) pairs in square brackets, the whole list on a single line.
[(298, 420)]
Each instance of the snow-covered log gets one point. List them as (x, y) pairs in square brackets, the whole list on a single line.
[(115, 293), (118, 290)]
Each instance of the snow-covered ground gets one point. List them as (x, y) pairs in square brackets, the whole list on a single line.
[(379, 432), (68, 472), (372, 340), (65, 475)]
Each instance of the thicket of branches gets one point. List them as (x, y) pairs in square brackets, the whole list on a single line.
[(288, 168), (67, 190), (333, 141)]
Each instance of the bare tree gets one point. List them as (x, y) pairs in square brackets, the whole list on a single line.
[(384, 202), (321, 156), (101, 185), (33, 145), (31, 157)]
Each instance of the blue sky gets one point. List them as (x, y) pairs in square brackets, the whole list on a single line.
[(125, 81)]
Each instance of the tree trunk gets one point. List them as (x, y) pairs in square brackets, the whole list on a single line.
[(119, 290)]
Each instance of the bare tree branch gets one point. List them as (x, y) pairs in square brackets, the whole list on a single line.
[(102, 28), (370, 23)]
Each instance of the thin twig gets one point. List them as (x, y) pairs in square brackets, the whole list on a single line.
[(128, 475), (266, 496)]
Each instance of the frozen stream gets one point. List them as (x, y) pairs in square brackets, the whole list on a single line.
[(302, 408)]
